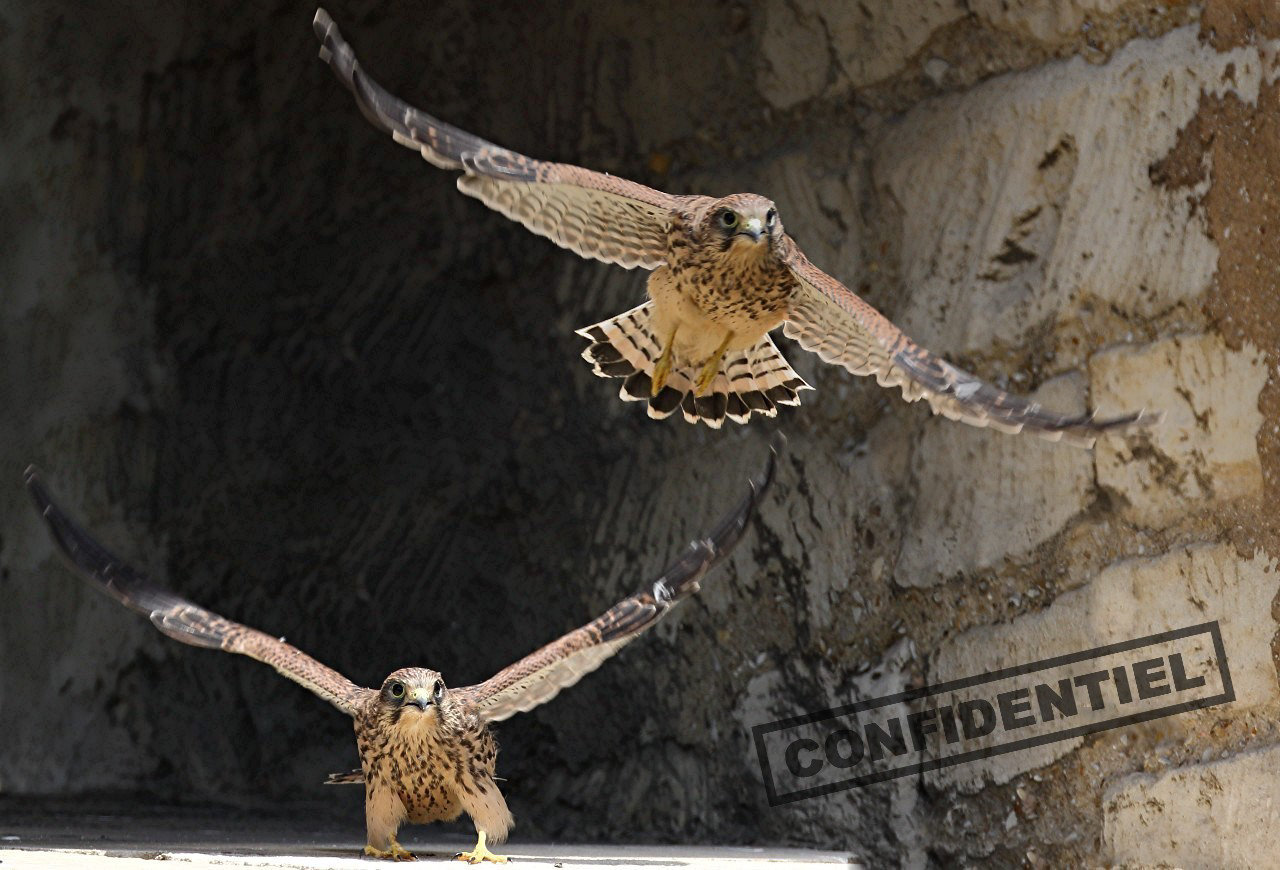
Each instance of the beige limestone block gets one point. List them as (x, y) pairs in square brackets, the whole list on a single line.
[(1044, 20), (1223, 814), (1026, 196), (984, 495), (1205, 451), (1129, 599), (794, 49), (867, 43)]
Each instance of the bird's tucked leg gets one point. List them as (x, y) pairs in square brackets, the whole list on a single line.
[(480, 853), (395, 853), (708, 373), (663, 367), (383, 813)]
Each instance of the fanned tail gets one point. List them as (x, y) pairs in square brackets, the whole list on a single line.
[(755, 380)]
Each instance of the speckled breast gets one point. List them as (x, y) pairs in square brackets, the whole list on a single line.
[(730, 289), (749, 299), (425, 778), (427, 773), (745, 294)]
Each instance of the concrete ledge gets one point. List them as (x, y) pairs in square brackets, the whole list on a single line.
[(110, 833), (524, 856)]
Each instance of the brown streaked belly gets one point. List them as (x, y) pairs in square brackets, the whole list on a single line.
[(429, 797), (744, 307)]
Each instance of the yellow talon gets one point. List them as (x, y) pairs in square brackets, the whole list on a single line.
[(663, 368), (480, 853), (712, 368), (395, 853)]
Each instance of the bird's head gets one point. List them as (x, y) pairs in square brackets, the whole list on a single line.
[(743, 222), (415, 698)]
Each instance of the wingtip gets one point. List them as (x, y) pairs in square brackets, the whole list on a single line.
[(733, 526), (777, 446), (335, 52), (322, 23), (36, 489), (1137, 420), (326, 31), (1087, 430)]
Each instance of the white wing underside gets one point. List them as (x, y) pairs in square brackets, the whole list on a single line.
[(822, 327), (591, 223), (544, 684)]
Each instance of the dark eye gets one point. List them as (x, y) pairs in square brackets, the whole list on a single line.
[(439, 690), (770, 216), (396, 689), (728, 219)]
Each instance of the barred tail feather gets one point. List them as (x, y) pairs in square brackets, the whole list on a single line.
[(755, 380)]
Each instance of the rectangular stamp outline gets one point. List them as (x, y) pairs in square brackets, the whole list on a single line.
[(1212, 628)]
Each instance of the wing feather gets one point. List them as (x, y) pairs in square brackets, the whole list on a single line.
[(832, 321), (181, 619), (540, 676), (594, 214)]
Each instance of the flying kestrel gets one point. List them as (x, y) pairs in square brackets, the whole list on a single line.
[(722, 275), (426, 752)]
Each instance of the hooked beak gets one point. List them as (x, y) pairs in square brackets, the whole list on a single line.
[(752, 227), (420, 698)]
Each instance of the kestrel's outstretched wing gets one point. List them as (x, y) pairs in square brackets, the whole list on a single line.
[(591, 213), (607, 218), (539, 676), (829, 319), (179, 618)]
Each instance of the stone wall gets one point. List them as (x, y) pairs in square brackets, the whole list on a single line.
[(277, 359)]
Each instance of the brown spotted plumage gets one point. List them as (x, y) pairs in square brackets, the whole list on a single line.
[(723, 274), (426, 751)]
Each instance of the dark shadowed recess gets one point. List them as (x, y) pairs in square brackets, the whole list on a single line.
[(371, 432)]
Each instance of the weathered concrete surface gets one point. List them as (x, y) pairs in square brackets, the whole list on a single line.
[(692, 857), (97, 835), (279, 361)]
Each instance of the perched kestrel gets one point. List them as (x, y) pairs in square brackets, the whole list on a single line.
[(426, 752), (722, 275)]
